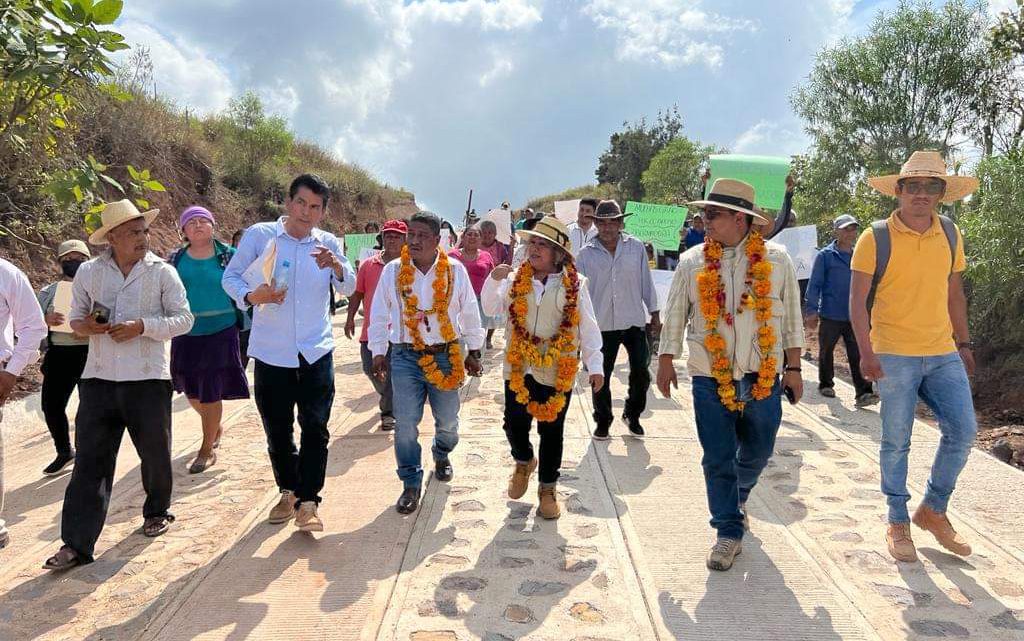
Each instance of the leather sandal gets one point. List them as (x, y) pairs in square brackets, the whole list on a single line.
[(157, 525), (64, 559)]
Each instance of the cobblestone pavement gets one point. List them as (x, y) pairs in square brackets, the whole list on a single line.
[(624, 562)]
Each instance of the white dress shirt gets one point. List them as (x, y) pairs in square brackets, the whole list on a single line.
[(494, 299), (18, 320), (152, 292), (386, 320), (579, 237)]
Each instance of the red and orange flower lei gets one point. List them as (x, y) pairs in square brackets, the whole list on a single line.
[(712, 300), (413, 315), (524, 347)]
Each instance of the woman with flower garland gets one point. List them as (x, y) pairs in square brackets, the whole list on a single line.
[(424, 305), (736, 296), (550, 320)]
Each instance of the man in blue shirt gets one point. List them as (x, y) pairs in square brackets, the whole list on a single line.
[(694, 233), (291, 339), (828, 299)]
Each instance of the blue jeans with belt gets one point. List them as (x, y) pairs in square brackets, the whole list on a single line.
[(941, 382), (737, 446), (410, 390)]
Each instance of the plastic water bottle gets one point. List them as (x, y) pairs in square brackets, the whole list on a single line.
[(281, 275)]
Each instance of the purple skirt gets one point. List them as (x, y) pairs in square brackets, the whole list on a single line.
[(208, 368)]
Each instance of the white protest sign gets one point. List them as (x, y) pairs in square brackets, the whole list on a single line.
[(502, 219), (801, 244), (662, 282), (566, 210)]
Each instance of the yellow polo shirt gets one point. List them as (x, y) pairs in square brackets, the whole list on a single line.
[(911, 312)]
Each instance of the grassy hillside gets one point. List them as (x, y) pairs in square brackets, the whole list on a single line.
[(601, 192)]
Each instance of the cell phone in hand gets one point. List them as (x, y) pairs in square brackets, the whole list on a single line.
[(100, 313), (790, 394)]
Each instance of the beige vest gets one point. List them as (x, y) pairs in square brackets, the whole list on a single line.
[(543, 321)]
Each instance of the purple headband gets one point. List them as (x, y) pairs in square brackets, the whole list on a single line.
[(195, 211)]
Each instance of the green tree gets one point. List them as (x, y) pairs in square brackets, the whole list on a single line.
[(912, 82), (1002, 127), (255, 138), (674, 174), (48, 48), (631, 150)]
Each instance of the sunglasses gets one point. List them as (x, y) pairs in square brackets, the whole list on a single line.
[(932, 188), (711, 214)]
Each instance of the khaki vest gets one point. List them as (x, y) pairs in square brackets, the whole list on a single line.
[(543, 321)]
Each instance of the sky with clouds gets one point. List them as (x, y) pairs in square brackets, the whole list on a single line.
[(514, 98)]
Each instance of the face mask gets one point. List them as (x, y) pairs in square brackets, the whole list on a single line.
[(70, 267)]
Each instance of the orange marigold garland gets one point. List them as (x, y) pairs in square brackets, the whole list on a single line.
[(525, 348), (712, 302), (413, 316)]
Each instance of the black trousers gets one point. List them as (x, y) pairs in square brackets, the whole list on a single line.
[(62, 368), (310, 386), (105, 410), (517, 430), (634, 340), (829, 333), (243, 347)]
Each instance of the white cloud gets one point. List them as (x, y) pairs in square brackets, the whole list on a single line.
[(501, 67), (182, 70), (672, 33), (996, 7), (494, 15), (771, 138)]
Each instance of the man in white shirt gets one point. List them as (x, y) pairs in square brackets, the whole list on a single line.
[(583, 230), (426, 361), (130, 303), (19, 312)]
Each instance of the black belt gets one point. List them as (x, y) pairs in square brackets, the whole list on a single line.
[(436, 348)]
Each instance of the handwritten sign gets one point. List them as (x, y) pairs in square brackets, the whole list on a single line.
[(801, 244), (766, 174), (355, 243), (656, 224)]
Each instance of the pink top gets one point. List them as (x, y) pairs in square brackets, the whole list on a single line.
[(478, 269), (366, 284), (499, 253)]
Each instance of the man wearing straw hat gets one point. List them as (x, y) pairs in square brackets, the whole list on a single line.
[(915, 342), (737, 298), (130, 303), (551, 321), (622, 289)]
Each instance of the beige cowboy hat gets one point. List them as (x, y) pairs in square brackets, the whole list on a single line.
[(550, 229), (926, 164), (735, 195), (118, 213)]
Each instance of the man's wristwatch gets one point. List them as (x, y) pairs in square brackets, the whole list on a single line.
[(965, 345), (475, 353), (793, 369)]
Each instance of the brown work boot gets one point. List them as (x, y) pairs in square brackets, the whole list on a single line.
[(285, 508), (723, 553), (520, 479), (938, 524), (306, 518), (548, 508), (901, 546)]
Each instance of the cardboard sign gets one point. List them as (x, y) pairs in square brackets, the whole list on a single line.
[(656, 224), (766, 174), (801, 244), (567, 210), (502, 219), (355, 243), (62, 305)]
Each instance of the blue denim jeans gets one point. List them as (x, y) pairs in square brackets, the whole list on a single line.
[(736, 446), (941, 382), (410, 391)]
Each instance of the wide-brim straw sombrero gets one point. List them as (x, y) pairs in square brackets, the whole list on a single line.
[(550, 229), (735, 195), (926, 164), (118, 213)]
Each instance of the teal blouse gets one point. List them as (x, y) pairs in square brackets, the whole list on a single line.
[(214, 311)]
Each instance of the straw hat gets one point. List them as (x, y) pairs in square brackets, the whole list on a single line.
[(69, 246), (926, 164), (118, 213), (735, 195), (550, 229)]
